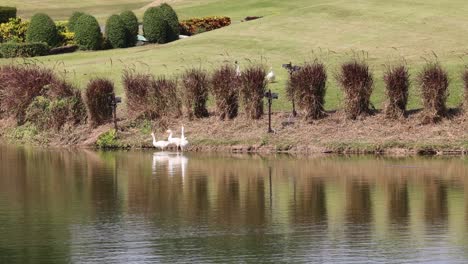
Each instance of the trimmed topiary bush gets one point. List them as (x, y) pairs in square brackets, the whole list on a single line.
[(73, 19), (154, 25), (308, 86), (116, 32), (99, 96), (7, 12), (434, 81), (88, 33), (13, 49), (173, 30), (131, 23), (42, 29)]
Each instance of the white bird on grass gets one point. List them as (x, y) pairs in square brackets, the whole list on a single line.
[(161, 144), (271, 75), (183, 140), (173, 140)]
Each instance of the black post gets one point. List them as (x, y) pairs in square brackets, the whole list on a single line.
[(114, 112), (270, 101)]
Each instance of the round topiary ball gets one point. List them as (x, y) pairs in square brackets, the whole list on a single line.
[(72, 20), (172, 20), (131, 23), (88, 33), (154, 25), (116, 32), (42, 29)]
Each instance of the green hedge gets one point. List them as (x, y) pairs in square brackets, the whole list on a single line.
[(7, 12), (172, 20), (88, 33), (116, 32), (154, 25), (42, 29), (12, 49), (131, 23), (72, 20)]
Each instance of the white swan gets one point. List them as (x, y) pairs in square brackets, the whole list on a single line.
[(271, 75), (238, 71), (173, 140), (183, 140), (161, 144)]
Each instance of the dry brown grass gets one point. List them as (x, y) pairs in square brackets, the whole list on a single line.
[(433, 81), (397, 84), (357, 82), (225, 89), (99, 96), (252, 89), (195, 86), (308, 87)]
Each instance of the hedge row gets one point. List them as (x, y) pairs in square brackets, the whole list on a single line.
[(199, 25), (30, 49), (7, 12)]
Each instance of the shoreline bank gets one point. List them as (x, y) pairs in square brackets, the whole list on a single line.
[(333, 134)]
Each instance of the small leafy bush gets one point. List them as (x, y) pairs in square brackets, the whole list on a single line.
[(14, 30), (108, 140), (116, 32), (252, 89), (99, 96), (6, 13), (225, 89), (42, 29), (88, 33), (172, 31), (131, 23), (433, 81), (66, 37), (397, 87), (197, 25), (195, 85), (48, 113), (357, 82), (73, 19), (30, 49), (155, 26), (309, 86)]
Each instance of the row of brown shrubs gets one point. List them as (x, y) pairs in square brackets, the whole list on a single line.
[(308, 85), (151, 97)]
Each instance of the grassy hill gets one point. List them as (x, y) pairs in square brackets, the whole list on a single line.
[(333, 31)]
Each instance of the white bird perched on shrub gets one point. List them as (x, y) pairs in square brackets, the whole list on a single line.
[(161, 144), (271, 75), (238, 71)]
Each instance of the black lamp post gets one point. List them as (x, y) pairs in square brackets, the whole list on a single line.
[(115, 100), (270, 96)]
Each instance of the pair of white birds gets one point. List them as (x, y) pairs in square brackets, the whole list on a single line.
[(181, 142), (270, 77)]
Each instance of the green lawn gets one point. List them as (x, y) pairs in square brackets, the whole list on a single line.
[(295, 31)]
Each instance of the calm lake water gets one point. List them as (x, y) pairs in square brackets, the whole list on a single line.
[(80, 206)]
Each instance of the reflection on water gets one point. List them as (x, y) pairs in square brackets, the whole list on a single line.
[(118, 207)]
